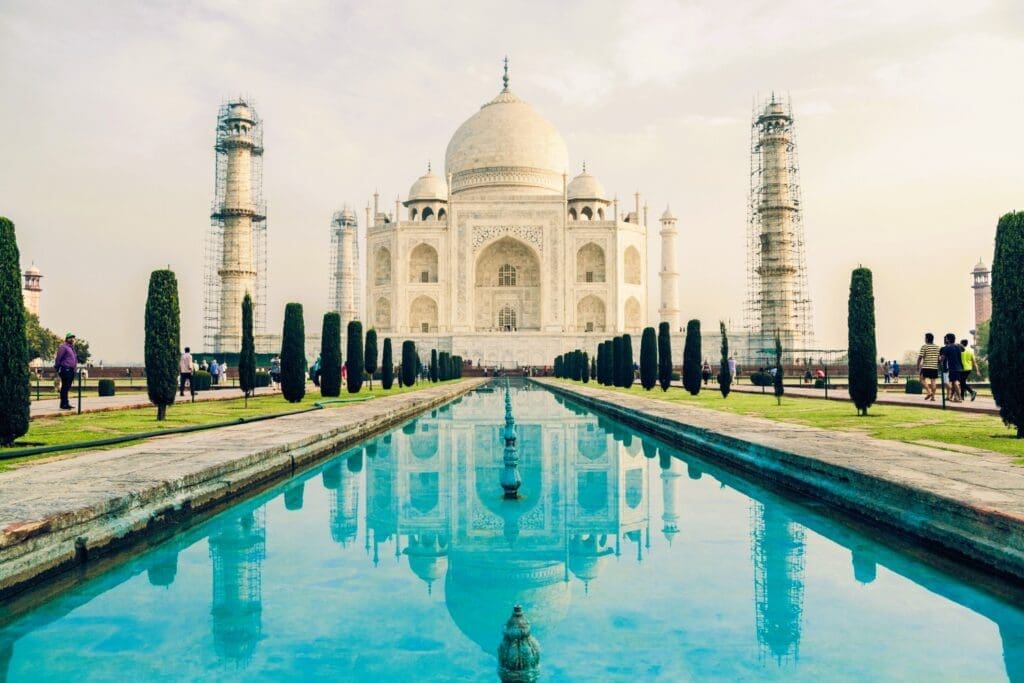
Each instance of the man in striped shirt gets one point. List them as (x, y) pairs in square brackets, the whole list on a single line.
[(928, 365)]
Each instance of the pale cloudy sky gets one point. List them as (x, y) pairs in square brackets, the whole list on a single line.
[(909, 132)]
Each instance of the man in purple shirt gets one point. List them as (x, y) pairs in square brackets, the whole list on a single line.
[(65, 364)]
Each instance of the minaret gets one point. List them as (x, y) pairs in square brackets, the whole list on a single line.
[(669, 311), (239, 215), (344, 262), (32, 289), (982, 294), (778, 301)]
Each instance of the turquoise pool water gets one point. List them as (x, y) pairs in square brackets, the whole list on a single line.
[(398, 560)]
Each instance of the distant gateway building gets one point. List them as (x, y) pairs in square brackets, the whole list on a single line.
[(504, 261)]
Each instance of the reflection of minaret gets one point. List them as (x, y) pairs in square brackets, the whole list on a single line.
[(237, 552), (778, 555), (670, 483), (344, 264), (864, 567), (381, 492), (6, 653), (164, 568), (1013, 652), (293, 496), (345, 502)]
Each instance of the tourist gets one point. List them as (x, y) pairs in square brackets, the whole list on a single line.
[(732, 369), (204, 366), (896, 372), (185, 368), (224, 373), (275, 372), (214, 370), (808, 377), (951, 368), (967, 367), (314, 372), (65, 364), (886, 371), (928, 365), (705, 372)]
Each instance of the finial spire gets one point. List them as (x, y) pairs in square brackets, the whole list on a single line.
[(504, 78), (428, 165), (584, 166)]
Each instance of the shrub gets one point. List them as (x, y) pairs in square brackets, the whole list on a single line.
[(370, 354), (627, 361), (330, 355), (913, 386), (1006, 331), (761, 379), (648, 359), (409, 362), (355, 361), (691, 358), (202, 380), (14, 372), (261, 377), (293, 354), (860, 323), (664, 356), (387, 366), (163, 340), (106, 387), (247, 356), (724, 376)]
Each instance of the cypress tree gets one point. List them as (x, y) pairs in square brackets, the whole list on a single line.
[(330, 355), (585, 367), (777, 382), (408, 362), (558, 367), (609, 363), (443, 366), (599, 364), (433, 365), (370, 354), (293, 354), (1006, 331), (648, 359), (577, 365), (724, 376), (387, 366), (618, 379), (691, 358), (593, 368), (355, 363), (664, 356), (247, 357), (860, 324), (15, 395), (627, 361), (163, 340)]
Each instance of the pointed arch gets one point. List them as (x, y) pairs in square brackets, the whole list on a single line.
[(633, 315), (590, 263), (423, 263), (382, 266), (631, 266), (423, 314)]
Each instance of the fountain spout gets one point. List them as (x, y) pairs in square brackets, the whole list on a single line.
[(510, 479), (519, 652)]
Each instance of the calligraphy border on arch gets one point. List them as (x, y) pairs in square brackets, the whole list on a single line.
[(484, 233)]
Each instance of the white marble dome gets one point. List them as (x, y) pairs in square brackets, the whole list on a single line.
[(428, 186), (507, 144), (585, 186)]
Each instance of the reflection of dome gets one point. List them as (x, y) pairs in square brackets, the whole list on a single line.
[(507, 143), (428, 558), (428, 186), (585, 186), (585, 553), (480, 591)]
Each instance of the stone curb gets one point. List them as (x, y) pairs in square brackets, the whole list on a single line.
[(36, 548), (981, 533)]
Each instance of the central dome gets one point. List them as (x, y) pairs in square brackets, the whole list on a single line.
[(507, 144)]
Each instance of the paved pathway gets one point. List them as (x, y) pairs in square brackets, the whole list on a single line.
[(59, 512), (91, 403), (983, 404), (969, 503)]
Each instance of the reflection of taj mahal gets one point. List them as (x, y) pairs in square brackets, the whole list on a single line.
[(504, 259)]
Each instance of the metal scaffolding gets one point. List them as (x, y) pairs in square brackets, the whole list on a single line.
[(256, 212), (778, 299), (344, 293), (777, 552)]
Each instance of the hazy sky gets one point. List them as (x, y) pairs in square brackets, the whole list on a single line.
[(909, 125)]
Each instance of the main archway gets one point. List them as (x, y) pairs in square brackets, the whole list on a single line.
[(507, 288)]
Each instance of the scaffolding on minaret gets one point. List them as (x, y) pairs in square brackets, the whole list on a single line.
[(221, 209), (344, 293), (778, 300)]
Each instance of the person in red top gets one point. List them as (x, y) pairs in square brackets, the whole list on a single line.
[(65, 364)]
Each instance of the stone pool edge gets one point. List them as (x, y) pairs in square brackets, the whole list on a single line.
[(980, 533), (35, 550)]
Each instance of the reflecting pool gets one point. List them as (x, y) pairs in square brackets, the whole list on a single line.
[(400, 560)]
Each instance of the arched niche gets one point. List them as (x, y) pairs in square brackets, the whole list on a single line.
[(382, 266), (631, 266), (507, 280), (423, 264), (590, 264), (591, 314), (423, 314), (633, 316)]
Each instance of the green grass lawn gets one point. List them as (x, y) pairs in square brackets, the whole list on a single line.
[(955, 430), (71, 429)]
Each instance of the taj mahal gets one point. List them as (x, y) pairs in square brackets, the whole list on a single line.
[(504, 260)]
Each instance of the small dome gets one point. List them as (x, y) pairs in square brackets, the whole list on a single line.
[(585, 186), (667, 216), (980, 267), (32, 270), (428, 186), (240, 111)]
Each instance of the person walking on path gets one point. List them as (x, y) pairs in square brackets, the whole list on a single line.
[(951, 368), (224, 373), (65, 364), (275, 371), (928, 365), (896, 371), (214, 370), (705, 371), (732, 368), (967, 367), (185, 368)]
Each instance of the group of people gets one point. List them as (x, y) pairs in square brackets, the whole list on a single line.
[(186, 366), (955, 361), (891, 371)]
